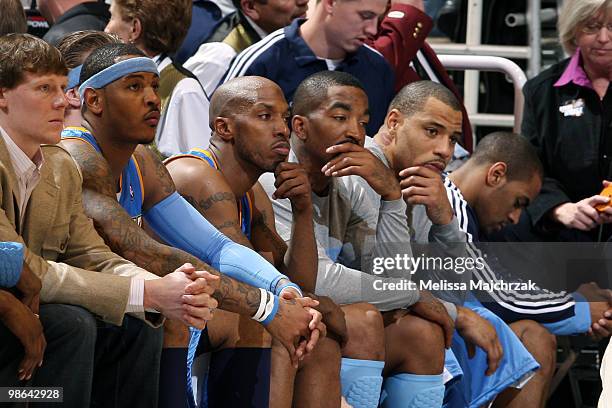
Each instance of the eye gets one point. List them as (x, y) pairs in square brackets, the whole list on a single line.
[(363, 123), (454, 140), (135, 86), (264, 116), (432, 131), (367, 15), (340, 118), (155, 86), (45, 88)]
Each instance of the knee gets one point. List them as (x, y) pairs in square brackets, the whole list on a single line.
[(365, 332), (68, 324), (422, 339), (541, 343)]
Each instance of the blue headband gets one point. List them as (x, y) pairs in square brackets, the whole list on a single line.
[(118, 70), (73, 76)]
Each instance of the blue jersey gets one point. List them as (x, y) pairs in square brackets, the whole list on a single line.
[(245, 204), (131, 187)]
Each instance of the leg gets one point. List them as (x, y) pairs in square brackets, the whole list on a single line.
[(70, 332), (361, 370), (414, 362), (543, 346), (318, 380), (173, 384), (239, 373), (127, 362)]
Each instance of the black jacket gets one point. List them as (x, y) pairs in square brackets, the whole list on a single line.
[(85, 16), (576, 151)]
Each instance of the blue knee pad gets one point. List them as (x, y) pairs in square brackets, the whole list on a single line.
[(361, 382), (412, 391), (11, 262)]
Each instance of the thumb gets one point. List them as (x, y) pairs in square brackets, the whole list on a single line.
[(471, 349), (597, 199), (187, 268)]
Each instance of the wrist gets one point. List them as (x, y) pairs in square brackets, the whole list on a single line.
[(149, 299), (394, 194), (268, 307)]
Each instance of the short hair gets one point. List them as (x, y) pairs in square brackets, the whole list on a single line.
[(312, 91), (13, 18), (238, 3), (574, 14), (520, 156), (21, 53), (106, 56), (164, 22), (75, 47), (412, 97), (236, 96)]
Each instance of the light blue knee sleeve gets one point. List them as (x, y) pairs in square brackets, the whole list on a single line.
[(11, 262), (361, 381), (412, 391)]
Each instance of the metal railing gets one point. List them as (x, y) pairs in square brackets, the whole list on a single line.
[(492, 64)]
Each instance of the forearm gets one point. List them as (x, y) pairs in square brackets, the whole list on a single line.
[(301, 256)]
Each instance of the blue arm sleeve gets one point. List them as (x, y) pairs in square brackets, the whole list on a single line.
[(183, 227), (11, 263), (579, 323)]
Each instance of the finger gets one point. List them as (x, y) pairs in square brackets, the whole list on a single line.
[(448, 335), (301, 350), (291, 350), (579, 225), (417, 191), (596, 200), (281, 191), (283, 167), (297, 191), (187, 268), (200, 313), (317, 317), (199, 286), (205, 275), (417, 181), (492, 360), (350, 171), (344, 148), (421, 171), (599, 331), (590, 212), (194, 322), (286, 175), (312, 342), (471, 349), (308, 302), (201, 300)]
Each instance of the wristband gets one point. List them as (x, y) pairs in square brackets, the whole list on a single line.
[(11, 263), (279, 290), (268, 306)]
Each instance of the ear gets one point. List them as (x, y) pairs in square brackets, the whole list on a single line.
[(136, 30), (328, 5), (250, 10), (299, 127), (496, 174), (3, 99), (73, 97), (93, 100), (224, 128), (393, 122)]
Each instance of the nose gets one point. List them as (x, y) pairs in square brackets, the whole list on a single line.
[(61, 100), (444, 149), (151, 97), (371, 27), (603, 35), (514, 216), (281, 128)]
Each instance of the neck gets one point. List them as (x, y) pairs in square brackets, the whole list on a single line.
[(313, 31), (117, 154), (319, 182), (29, 147), (466, 179), (243, 175), (73, 117), (383, 140), (599, 76)]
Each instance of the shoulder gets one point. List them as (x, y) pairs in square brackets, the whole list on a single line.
[(62, 162), (262, 52), (188, 173), (544, 80)]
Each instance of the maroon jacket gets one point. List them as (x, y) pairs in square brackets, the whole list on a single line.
[(400, 36)]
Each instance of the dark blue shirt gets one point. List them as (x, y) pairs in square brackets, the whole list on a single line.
[(285, 58)]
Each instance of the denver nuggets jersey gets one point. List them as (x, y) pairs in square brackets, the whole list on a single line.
[(131, 187), (245, 205)]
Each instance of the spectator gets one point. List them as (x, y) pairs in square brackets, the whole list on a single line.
[(75, 48), (332, 39), (157, 28), (64, 251), (567, 118), (13, 18), (256, 19), (67, 16)]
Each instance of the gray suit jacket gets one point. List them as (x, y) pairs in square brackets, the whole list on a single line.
[(62, 247)]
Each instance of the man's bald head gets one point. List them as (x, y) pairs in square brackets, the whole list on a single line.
[(237, 95)]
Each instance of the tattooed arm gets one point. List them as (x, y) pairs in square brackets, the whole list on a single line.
[(131, 242)]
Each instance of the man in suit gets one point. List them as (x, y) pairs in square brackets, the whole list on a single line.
[(41, 207)]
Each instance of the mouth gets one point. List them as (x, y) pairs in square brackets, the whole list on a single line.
[(152, 118), (435, 166), (281, 148)]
